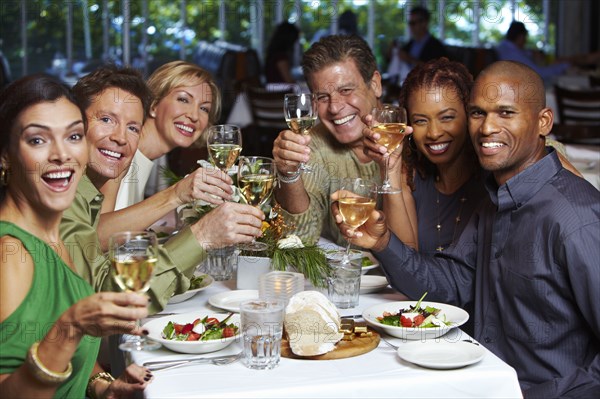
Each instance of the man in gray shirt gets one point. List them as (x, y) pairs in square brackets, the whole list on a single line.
[(527, 266)]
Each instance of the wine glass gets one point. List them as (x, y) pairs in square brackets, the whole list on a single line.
[(300, 112), (390, 122), (357, 199), (256, 181), (224, 145), (134, 255)]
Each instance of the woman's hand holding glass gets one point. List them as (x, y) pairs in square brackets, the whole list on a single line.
[(355, 200), (210, 185), (388, 125), (134, 255)]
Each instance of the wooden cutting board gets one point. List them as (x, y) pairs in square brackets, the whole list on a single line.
[(343, 349)]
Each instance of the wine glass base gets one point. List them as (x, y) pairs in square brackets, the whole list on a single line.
[(254, 247), (132, 343), (388, 190)]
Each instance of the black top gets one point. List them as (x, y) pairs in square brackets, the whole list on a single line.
[(432, 49), (450, 207)]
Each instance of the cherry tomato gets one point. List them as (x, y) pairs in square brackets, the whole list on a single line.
[(193, 337), (211, 320), (187, 328), (178, 328), (405, 321), (418, 320), (228, 332)]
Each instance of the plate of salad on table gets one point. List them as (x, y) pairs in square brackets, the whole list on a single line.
[(195, 332), (415, 320)]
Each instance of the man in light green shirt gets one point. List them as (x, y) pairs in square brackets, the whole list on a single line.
[(116, 102), (342, 72)]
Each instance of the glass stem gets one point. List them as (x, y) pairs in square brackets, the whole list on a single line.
[(346, 257), (386, 179)]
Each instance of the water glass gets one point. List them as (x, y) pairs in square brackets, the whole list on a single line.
[(343, 286), (262, 329), (220, 263)]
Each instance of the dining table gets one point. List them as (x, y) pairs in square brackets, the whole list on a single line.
[(380, 373)]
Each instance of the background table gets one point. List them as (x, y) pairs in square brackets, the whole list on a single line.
[(586, 158), (377, 374)]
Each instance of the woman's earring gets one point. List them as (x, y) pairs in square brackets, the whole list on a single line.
[(3, 176), (411, 143)]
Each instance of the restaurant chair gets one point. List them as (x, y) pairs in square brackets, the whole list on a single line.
[(578, 106), (576, 134), (266, 105)]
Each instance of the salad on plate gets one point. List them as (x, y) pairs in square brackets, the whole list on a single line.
[(205, 329), (415, 316)]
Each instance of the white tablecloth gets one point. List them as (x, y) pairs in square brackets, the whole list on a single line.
[(377, 374)]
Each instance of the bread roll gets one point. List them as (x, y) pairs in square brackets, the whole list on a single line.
[(312, 324)]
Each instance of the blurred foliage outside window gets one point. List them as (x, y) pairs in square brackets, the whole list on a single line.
[(47, 21)]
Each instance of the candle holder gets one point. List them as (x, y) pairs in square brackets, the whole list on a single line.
[(277, 285)]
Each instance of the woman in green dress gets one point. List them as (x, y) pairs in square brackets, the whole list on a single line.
[(50, 318)]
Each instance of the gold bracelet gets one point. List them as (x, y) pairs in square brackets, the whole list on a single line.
[(100, 376), (40, 372)]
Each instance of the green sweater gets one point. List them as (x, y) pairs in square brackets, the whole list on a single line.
[(177, 259), (54, 289)]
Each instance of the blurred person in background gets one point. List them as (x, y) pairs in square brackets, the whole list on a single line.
[(513, 48), (280, 54), (423, 46)]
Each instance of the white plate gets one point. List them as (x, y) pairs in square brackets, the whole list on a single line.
[(230, 300), (156, 326), (370, 284), (206, 282), (457, 316), (374, 262), (440, 354)]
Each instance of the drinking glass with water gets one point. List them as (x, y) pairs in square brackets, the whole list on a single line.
[(262, 330)]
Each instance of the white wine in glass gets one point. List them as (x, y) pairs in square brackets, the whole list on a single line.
[(224, 145), (390, 122), (256, 181), (134, 256), (300, 112), (357, 199)]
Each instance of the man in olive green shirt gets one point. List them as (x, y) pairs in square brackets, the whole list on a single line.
[(116, 102)]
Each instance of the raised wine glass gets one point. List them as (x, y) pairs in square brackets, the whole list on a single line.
[(256, 181), (300, 112), (390, 122), (224, 145), (134, 255), (357, 199)]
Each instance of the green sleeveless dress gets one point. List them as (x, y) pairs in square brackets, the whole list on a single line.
[(55, 287)]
